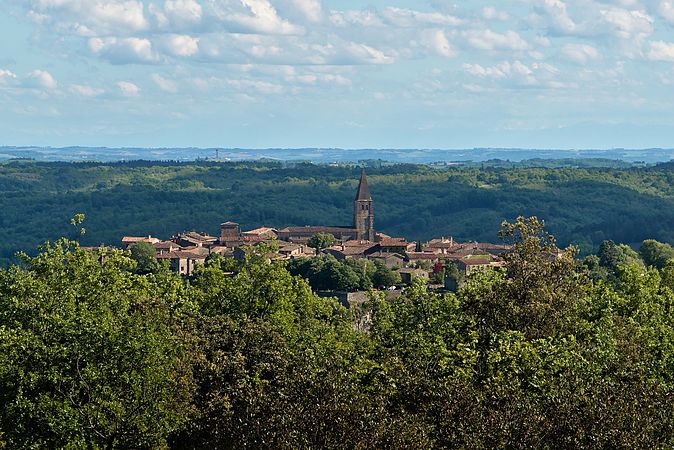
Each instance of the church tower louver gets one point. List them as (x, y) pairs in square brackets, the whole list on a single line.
[(363, 216)]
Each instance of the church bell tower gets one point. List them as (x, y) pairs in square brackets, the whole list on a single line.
[(363, 216)]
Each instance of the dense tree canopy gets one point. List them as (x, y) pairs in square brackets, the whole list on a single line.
[(244, 355), (581, 205), (319, 241)]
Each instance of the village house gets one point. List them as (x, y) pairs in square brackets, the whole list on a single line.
[(290, 250), (395, 245), (440, 246), (408, 274), (194, 239), (353, 249), (164, 247), (478, 262), (128, 240), (419, 257), (264, 232), (183, 262), (390, 260)]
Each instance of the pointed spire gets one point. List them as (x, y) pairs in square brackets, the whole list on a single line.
[(363, 190)]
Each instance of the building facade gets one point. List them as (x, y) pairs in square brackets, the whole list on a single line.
[(363, 214)]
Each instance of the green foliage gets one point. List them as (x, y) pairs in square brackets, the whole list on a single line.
[(144, 254), (88, 353), (246, 355), (383, 277), (582, 206), (327, 273), (454, 277), (656, 253), (319, 241)]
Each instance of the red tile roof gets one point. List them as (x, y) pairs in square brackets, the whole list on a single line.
[(134, 239), (259, 231), (393, 242), (423, 255)]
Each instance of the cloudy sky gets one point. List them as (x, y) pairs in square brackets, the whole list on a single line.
[(337, 73)]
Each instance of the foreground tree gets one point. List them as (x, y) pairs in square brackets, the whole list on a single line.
[(320, 241), (145, 256), (656, 254), (88, 356)]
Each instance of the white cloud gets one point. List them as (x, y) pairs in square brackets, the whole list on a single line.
[(182, 45), (253, 16), (40, 79), (128, 89), (7, 76), (164, 83), (661, 51), (92, 17), (401, 17), (666, 10), (555, 16), (627, 21), (489, 40), (262, 87), (85, 90), (364, 54), (124, 50), (499, 71), (437, 41), (183, 12), (628, 24), (361, 18), (517, 74), (491, 13), (312, 10), (580, 53)]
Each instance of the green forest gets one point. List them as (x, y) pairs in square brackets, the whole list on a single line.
[(545, 353), (581, 205)]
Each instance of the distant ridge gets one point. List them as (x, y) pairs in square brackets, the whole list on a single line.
[(327, 155)]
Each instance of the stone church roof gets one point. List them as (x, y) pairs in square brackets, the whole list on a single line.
[(363, 189)]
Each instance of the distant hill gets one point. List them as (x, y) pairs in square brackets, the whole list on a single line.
[(582, 206), (328, 155)]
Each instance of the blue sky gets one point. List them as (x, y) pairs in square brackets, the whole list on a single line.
[(327, 73)]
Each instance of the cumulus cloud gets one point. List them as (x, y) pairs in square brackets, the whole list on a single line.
[(356, 53), (491, 13), (128, 89), (437, 41), (7, 76), (517, 74), (252, 16), (178, 13), (124, 50), (580, 53), (554, 15), (182, 45), (84, 90), (666, 10), (401, 17), (489, 40), (628, 24), (165, 84), (661, 51), (92, 17), (40, 79), (311, 10)]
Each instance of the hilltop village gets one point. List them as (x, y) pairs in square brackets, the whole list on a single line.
[(410, 260)]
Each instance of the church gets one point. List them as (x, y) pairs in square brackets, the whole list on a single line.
[(362, 228)]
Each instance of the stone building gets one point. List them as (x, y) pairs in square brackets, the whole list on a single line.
[(363, 214), (362, 228)]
